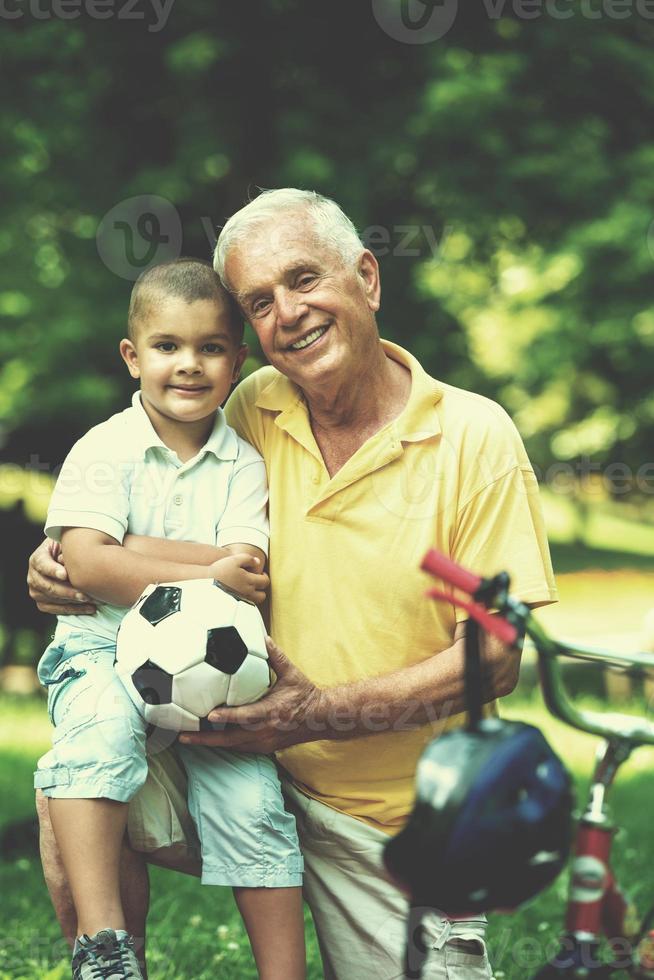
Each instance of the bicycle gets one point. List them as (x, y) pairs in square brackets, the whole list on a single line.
[(596, 905)]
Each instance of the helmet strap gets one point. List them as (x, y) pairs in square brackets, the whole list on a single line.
[(416, 950), (473, 678)]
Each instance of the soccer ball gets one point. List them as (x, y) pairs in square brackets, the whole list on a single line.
[(186, 647)]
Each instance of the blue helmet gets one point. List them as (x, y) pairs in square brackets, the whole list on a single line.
[(492, 822)]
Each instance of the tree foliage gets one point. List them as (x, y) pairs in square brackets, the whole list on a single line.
[(502, 174)]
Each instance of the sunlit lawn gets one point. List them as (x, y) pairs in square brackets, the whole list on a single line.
[(196, 933)]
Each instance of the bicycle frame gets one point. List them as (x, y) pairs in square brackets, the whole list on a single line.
[(596, 907)]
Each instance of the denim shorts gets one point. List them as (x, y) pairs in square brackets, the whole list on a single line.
[(100, 749)]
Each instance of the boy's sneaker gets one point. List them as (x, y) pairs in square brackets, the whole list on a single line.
[(108, 955)]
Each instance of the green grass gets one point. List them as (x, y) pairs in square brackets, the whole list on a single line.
[(620, 527), (201, 929)]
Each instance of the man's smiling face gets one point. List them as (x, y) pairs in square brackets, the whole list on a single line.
[(312, 312)]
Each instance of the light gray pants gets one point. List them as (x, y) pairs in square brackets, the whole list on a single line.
[(360, 917)]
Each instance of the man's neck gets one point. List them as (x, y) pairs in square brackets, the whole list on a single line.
[(344, 419), (362, 402)]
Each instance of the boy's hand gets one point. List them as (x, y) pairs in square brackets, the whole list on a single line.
[(49, 586), (241, 574)]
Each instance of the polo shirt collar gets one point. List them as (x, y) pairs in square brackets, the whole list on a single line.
[(221, 442), (418, 420)]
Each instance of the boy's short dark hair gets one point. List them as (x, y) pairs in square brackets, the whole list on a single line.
[(187, 278)]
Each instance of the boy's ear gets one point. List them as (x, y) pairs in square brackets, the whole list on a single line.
[(243, 352), (130, 357)]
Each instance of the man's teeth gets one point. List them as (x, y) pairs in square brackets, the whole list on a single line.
[(309, 339)]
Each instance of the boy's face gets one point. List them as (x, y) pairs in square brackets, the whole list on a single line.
[(185, 357)]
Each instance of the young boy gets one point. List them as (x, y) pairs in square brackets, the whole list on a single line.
[(192, 496)]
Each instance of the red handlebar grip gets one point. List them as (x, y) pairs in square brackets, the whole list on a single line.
[(437, 564), (499, 627)]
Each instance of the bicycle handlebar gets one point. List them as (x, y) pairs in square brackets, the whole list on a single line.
[(512, 620), (439, 566)]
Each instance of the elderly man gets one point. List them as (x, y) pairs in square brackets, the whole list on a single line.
[(370, 462)]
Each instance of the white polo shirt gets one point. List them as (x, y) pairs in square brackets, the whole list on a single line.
[(120, 478)]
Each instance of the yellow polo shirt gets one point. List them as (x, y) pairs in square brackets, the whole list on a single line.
[(347, 594)]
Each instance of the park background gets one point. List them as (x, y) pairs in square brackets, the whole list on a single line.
[(498, 160)]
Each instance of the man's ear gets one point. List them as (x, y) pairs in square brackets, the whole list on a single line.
[(368, 271), (130, 357), (243, 352)]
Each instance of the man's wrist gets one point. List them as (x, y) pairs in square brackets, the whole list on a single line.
[(316, 725), (332, 716), (310, 725), (354, 711)]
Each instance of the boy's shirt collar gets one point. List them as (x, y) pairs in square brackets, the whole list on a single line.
[(221, 442)]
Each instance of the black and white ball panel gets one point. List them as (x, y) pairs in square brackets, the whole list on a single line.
[(187, 647), (163, 602), (252, 676), (225, 649), (200, 688), (153, 684)]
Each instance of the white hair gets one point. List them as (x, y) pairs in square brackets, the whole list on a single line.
[(331, 225)]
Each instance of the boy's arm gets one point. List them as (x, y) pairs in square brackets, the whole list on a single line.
[(166, 549), (103, 569), (100, 567), (190, 552)]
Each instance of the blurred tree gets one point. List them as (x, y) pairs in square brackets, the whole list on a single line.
[(502, 174)]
